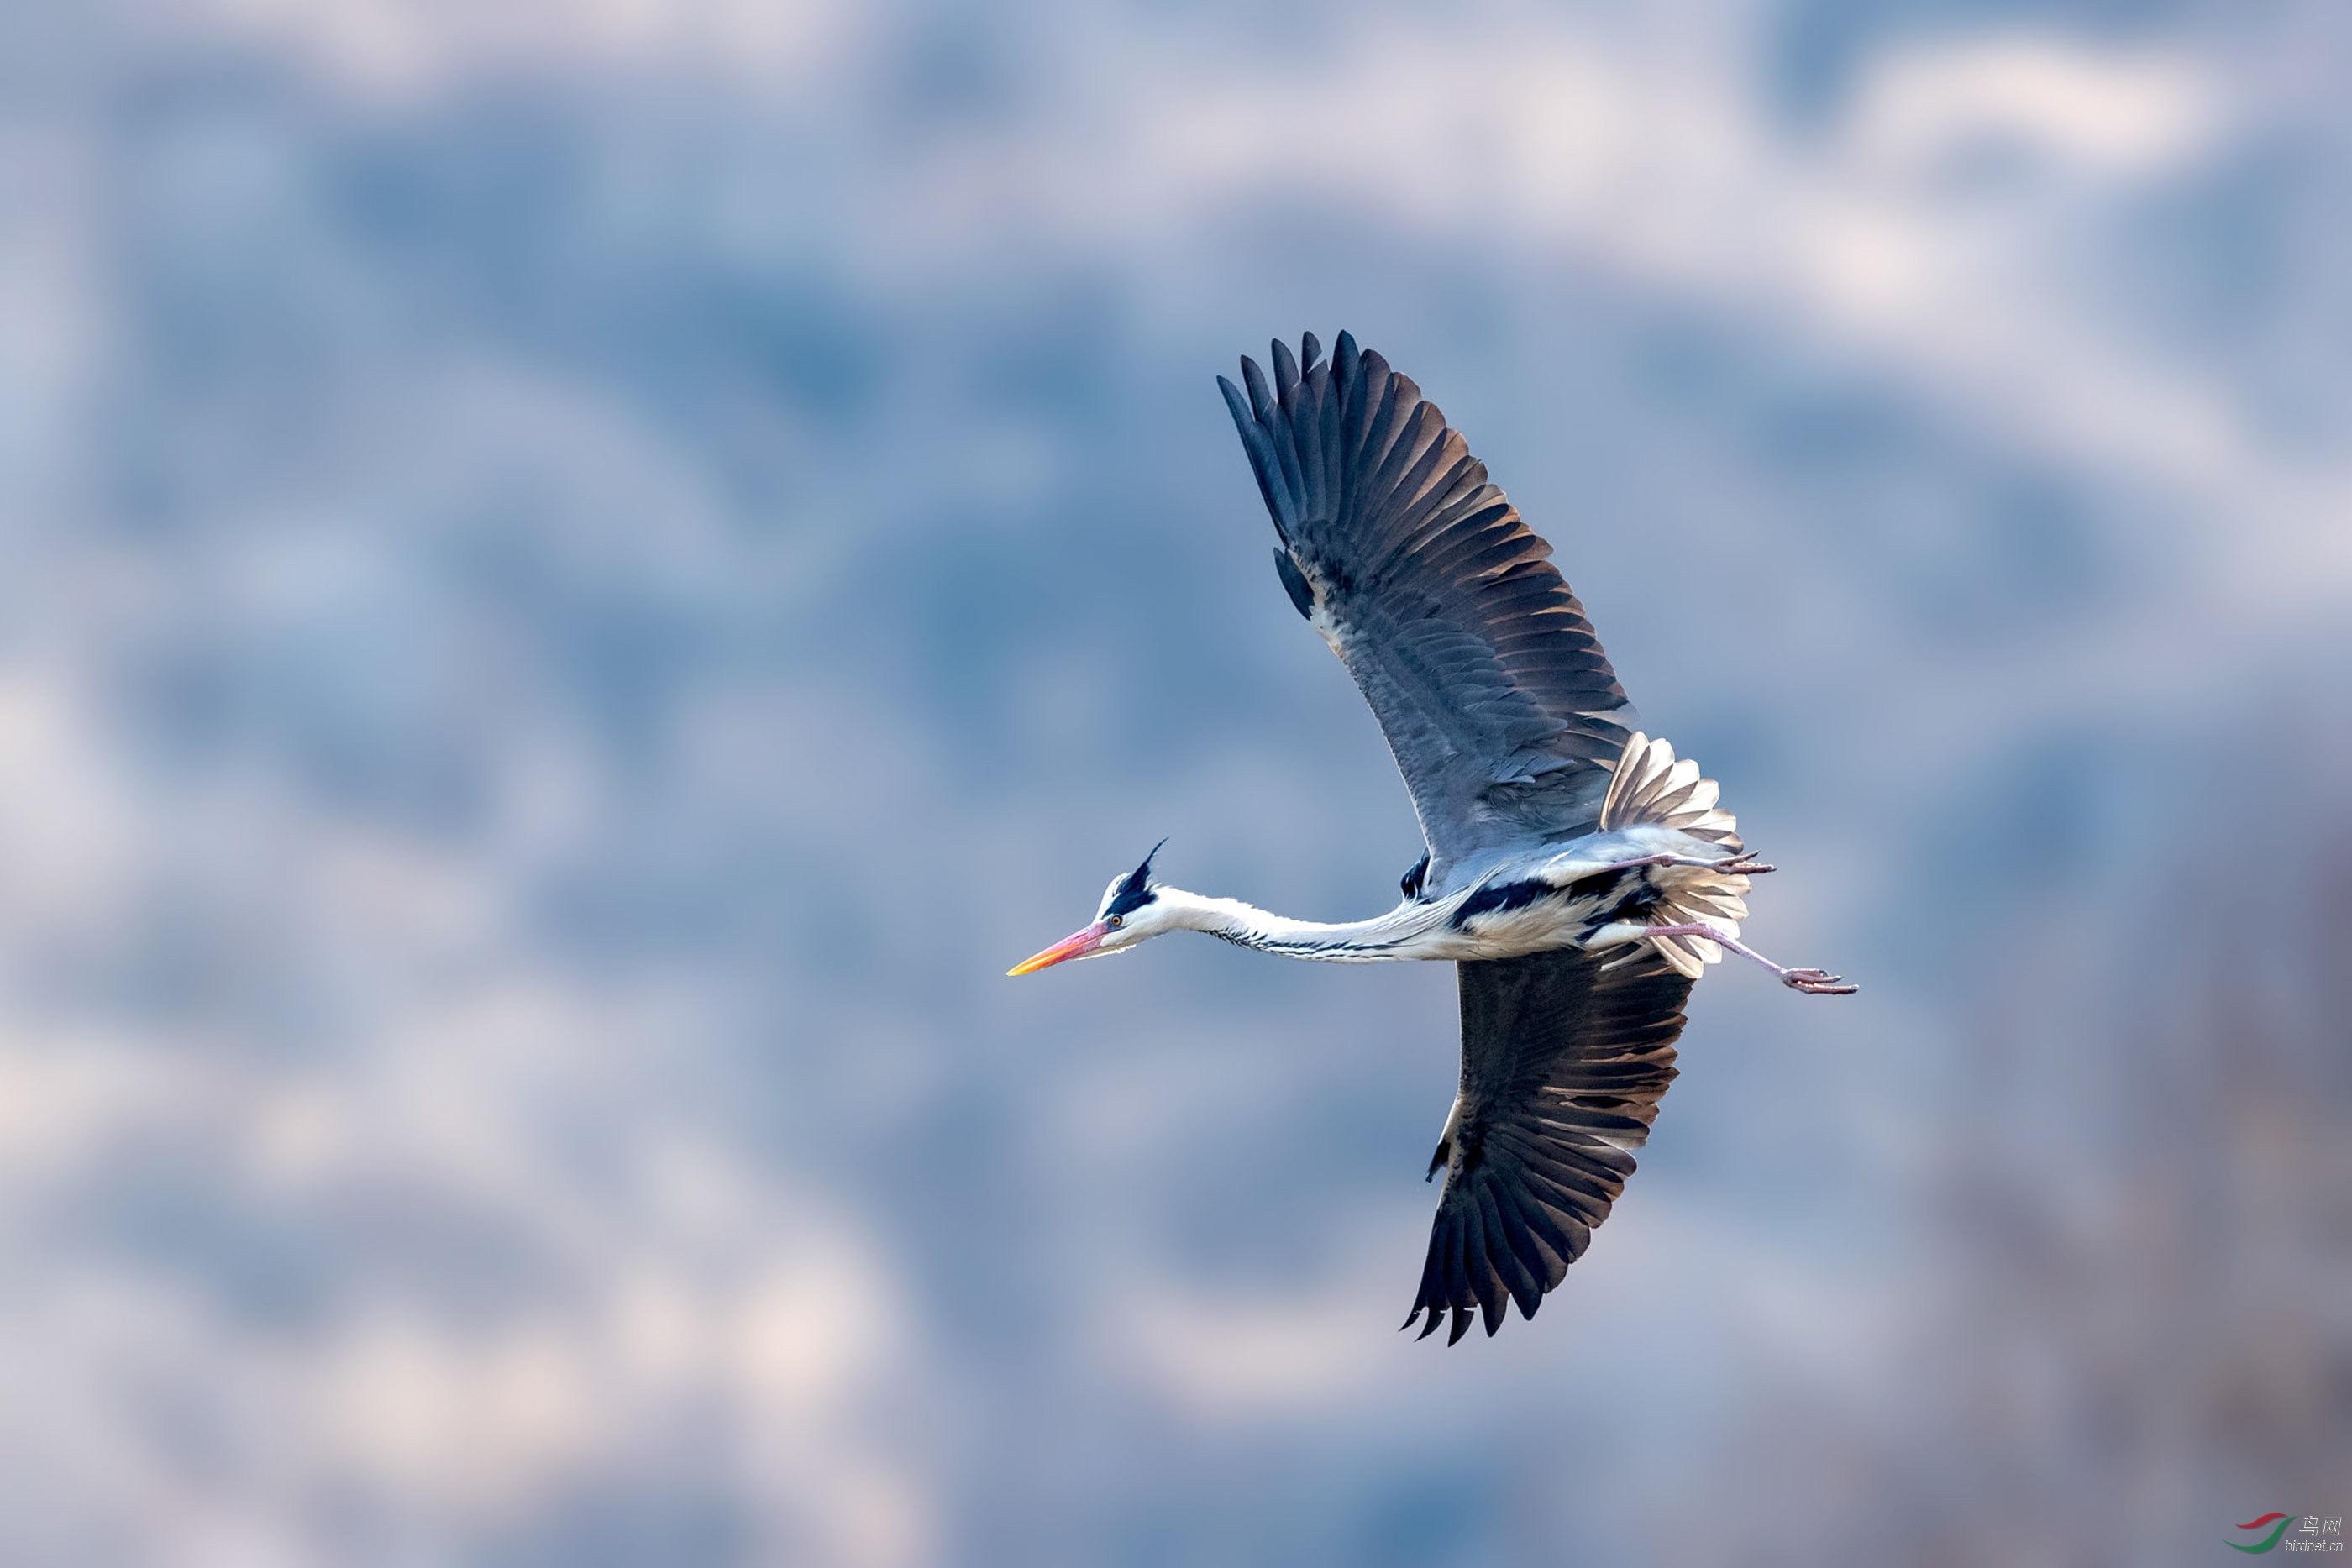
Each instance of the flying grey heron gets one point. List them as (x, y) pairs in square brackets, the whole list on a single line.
[(1578, 875)]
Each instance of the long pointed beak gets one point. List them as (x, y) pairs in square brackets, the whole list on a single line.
[(1078, 944)]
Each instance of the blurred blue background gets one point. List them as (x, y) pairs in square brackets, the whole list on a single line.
[(583, 575)]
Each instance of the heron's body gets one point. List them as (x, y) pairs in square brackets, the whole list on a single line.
[(1569, 899), (1578, 875)]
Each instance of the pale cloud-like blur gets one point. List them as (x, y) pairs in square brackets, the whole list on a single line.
[(402, 48)]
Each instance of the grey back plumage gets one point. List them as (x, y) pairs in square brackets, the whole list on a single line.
[(1563, 1063), (1497, 699)]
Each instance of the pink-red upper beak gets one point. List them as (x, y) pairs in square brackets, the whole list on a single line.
[(1077, 945)]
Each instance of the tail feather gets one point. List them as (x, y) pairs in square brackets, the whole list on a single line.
[(1650, 786)]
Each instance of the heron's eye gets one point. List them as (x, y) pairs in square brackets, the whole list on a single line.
[(1116, 921)]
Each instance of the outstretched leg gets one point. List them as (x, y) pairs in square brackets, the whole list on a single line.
[(1816, 982), (1744, 863)]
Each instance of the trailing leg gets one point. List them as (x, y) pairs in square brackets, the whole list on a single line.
[(1814, 982), (1744, 863)]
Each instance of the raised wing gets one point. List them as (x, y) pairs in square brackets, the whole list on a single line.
[(1496, 700), (1563, 1063)]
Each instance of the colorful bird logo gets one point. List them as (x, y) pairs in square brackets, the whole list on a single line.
[(2278, 1522)]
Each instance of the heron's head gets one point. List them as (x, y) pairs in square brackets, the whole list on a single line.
[(1131, 910)]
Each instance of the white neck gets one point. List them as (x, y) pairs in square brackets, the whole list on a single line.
[(1384, 937)]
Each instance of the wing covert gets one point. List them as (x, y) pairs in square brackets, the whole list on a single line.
[(1563, 1063), (1499, 705)]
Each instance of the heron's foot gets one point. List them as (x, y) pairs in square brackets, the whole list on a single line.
[(1817, 983), (1744, 863)]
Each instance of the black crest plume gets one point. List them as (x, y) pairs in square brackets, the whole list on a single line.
[(1135, 892)]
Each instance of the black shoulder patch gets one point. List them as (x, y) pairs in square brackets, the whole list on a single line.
[(1136, 891), (1502, 895), (1294, 582), (1411, 881)]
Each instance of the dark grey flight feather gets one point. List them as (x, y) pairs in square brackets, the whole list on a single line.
[(1563, 1063), (1497, 699)]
